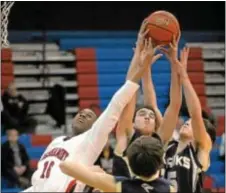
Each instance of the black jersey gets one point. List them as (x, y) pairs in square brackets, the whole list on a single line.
[(183, 169), (139, 186), (120, 164)]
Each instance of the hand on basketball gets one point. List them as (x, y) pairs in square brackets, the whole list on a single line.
[(182, 65), (147, 54), (141, 36), (172, 52), (145, 57)]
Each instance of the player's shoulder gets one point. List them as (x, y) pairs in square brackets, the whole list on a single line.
[(58, 140), (172, 143), (164, 181), (161, 184)]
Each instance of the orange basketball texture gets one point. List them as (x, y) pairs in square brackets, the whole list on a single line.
[(162, 26)]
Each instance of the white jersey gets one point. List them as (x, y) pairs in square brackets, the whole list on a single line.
[(84, 148)]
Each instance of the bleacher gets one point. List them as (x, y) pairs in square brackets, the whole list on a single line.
[(92, 66)]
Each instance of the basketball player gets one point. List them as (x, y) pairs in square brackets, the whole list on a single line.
[(147, 120), (187, 157), (85, 146), (145, 157)]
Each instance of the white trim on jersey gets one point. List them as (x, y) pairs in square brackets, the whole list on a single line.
[(195, 171)]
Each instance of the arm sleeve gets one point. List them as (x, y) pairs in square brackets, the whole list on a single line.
[(98, 134)]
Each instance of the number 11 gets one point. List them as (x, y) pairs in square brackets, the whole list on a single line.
[(47, 169)]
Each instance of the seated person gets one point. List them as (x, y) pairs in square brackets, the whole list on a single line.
[(15, 111), (15, 161)]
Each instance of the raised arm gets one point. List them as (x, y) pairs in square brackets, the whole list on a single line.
[(98, 134), (170, 118), (150, 95), (195, 111), (143, 55), (125, 123)]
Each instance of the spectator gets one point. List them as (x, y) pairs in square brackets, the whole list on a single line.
[(15, 112), (15, 161), (105, 161), (222, 147)]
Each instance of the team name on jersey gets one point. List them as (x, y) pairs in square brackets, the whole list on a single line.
[(59, 153), (177, 160)]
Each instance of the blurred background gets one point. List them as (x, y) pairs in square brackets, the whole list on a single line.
[(65, 56)]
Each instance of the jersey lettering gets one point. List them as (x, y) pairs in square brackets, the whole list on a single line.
[(147, 187), (59, 153), (179, 161)]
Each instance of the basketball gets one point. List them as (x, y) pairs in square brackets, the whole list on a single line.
[(162, 25)]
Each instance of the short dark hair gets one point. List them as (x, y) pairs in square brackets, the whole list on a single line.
[(209, 116), (145, 156), (211, 130), (157, 124)]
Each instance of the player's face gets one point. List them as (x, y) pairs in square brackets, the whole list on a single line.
[(186, 130), (83, 121), (12, 136), (145, 121)]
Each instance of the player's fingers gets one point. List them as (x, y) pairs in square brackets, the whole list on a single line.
[(143, 25), (145, 32), (174, 41), (146, 44), (187, 51), (171, 45), (179, 35), (156, 57), (164, 50), (150, 46), (158, 47), (182, 55), (145, 22)]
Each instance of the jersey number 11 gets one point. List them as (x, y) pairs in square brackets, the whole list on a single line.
[(47, 169)]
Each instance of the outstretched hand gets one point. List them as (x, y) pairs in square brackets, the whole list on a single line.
[(147, 54), (172, 52), (182, 65), (141, 36), (146, 57)]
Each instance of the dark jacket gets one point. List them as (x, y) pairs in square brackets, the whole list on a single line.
[(10, 105), (8, 158), (56, 105)]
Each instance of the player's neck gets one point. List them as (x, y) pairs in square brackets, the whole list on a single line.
[(184, 140), (183, 143), (152, 178)]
